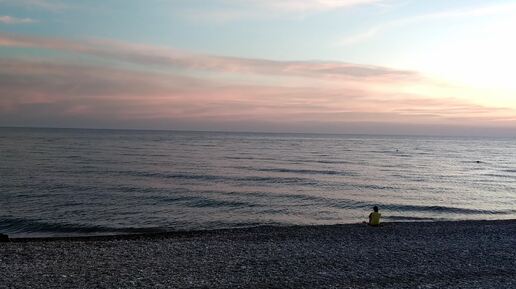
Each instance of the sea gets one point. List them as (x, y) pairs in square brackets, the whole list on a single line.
[(74, 182)]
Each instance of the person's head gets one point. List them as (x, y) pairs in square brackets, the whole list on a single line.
[(375, 208)]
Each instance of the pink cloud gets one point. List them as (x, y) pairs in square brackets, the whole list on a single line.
[(162, 89), (124, 94), (160, 56)]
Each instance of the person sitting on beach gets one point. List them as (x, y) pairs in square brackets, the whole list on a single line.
[(374, 217)]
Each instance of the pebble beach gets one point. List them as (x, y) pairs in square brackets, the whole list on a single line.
[(461, 254)]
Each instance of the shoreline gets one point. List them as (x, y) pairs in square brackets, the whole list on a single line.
[(448, 254), (193, 233)]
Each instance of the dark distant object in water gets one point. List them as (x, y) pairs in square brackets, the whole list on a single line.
[(478, 162), (4, 238)]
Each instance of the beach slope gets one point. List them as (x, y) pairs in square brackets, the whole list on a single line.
[(469, 254)]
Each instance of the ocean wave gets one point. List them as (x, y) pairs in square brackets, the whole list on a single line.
[(304, 171), (50, 189), (500, 176), (334, 162), (340, 203), (343, 203), (373, 187), (251, 158), (164, 175), (209, 177), (22, 225), (204, 202), (408, 218), (444, 209)]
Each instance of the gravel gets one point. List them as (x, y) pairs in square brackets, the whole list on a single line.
[(468, 254)]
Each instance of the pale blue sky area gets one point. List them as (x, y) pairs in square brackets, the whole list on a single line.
[(250, 29)]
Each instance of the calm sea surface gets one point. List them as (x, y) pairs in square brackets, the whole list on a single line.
[(77, 182)]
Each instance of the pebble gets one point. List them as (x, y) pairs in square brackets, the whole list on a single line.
[(469, 254)]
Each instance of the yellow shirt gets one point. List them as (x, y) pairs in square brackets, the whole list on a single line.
[(374, 218)]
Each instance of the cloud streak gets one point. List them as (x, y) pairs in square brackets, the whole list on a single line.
[(50, 5), (309, 5), (159, 56), (451, 14), (14, 20), (237, 10)]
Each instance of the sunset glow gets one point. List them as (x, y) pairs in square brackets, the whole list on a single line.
[(350, 66)]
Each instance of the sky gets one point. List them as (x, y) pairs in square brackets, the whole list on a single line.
[(318, 66)]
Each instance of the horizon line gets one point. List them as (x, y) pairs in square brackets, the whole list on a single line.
[(256, 132)]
